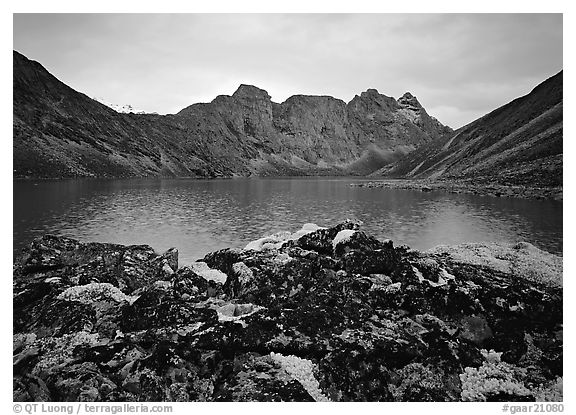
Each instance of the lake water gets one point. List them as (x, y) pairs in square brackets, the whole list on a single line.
[(201, 216)]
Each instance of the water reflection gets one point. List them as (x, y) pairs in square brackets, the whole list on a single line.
[(199, 216)]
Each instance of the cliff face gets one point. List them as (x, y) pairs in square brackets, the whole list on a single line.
[(59, 132), (519, 143), (387, 129)]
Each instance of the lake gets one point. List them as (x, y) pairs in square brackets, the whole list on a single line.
[(201, 216)]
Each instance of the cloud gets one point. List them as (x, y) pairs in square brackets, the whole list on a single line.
[(460, 66)]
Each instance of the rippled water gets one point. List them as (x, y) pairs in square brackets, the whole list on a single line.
[(200, 216)]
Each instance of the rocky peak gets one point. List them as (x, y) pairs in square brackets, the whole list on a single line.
[(254, 117), (372, 100), (250, 92), (409, 101), (370, 92)]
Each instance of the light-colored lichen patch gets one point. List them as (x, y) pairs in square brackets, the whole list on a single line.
[(243, 272), (493, 377), (202, 269), (276, 240), (421, 278), (342, 236), (273, 241), (282, 259), (550, 392), (522, 260), (56, 351), (236, 312), (303, 371), (94, 292)]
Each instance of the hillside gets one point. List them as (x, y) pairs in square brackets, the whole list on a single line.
[(59, 132), (518, 144)]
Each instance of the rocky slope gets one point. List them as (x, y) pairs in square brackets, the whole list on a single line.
[(59, 132), (493, 189), (322, 314), (518, 144)]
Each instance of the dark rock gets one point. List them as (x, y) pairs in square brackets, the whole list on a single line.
[(259, 379), (475, 329), (321, 240), (366, 321), (157, 307)]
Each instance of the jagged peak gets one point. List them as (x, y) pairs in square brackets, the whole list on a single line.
[(251, 91), (371, 91), (372, 97), (409, 100)]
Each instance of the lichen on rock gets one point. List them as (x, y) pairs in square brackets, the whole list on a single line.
[(328, 314), (303, 371), (494, 380), (202, 269), (94, 292), (276, 240)]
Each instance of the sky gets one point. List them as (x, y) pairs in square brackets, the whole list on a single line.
[(459, 66)]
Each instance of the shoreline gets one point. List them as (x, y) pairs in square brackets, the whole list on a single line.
[(457, 187)]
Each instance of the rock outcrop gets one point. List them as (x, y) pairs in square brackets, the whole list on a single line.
[(59, 132), (322, 314)]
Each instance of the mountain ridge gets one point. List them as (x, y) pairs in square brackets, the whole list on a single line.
[(60, 132)]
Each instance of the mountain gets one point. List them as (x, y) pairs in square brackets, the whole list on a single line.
[(519, 143), (59, 132)]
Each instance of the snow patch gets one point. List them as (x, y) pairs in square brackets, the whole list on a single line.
[(122, 109)]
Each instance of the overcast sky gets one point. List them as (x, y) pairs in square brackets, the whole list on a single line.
[(459, 66)]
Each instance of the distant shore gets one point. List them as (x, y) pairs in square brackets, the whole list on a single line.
[(495, 190), (482, 189)]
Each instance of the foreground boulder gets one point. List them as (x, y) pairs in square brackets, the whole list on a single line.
[(320, 315)]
